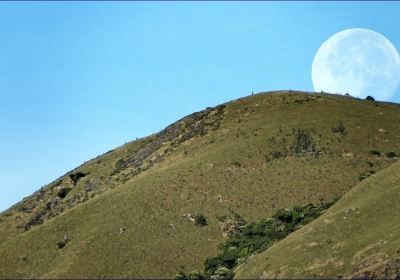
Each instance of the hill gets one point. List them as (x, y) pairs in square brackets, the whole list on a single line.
[(358, 237), (128, 213)]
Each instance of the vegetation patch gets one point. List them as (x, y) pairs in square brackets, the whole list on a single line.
[(391, 155), (340, 128), (61, 244), (75, 177), (62, 193), (119, 164), (275, 155), (366, 174), (200, 220), (255, 237), (375, 152), (237, 163), (303, 142)]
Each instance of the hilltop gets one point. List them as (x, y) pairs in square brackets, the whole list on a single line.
[(130, 212)]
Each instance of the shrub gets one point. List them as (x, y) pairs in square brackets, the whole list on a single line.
[(63, 192), (303, 142), (180, 276), (76, 176), (287, 215), (237, 163), (222, 273), (256, 237), (340, 128), (375, 152), (369, 97), (200, 220), (61, 244), (391, 154), (196, 275), (211, 264)]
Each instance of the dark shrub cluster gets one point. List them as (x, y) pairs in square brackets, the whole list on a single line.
[(75, 177), (391, 154), (63, 192), (375, 152), (200, 220), (254, 238), (61, 244)]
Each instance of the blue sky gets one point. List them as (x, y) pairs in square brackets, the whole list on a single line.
[(78, 79)]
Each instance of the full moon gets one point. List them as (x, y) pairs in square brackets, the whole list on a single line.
[(359, 62)]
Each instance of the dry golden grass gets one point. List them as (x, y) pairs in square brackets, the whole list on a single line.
[(225, 170)]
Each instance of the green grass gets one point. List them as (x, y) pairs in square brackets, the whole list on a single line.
[(223, 171)]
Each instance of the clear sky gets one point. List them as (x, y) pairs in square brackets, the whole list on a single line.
[(78, 79)]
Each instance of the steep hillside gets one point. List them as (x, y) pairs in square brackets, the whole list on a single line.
[(128, 212), (358, 237)]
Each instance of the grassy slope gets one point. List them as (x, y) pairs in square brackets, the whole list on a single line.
[(357, 237), (158, 241)]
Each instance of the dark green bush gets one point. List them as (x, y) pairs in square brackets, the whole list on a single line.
[(200, 220), (196, 275), (181, 276), (237, 163), (256, 237), (211, 264), (61, 244), (75, 177), (391, 154), (63, 192), (375, 152)]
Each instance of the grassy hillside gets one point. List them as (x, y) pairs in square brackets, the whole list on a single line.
[(357, 237), (124, 212)]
